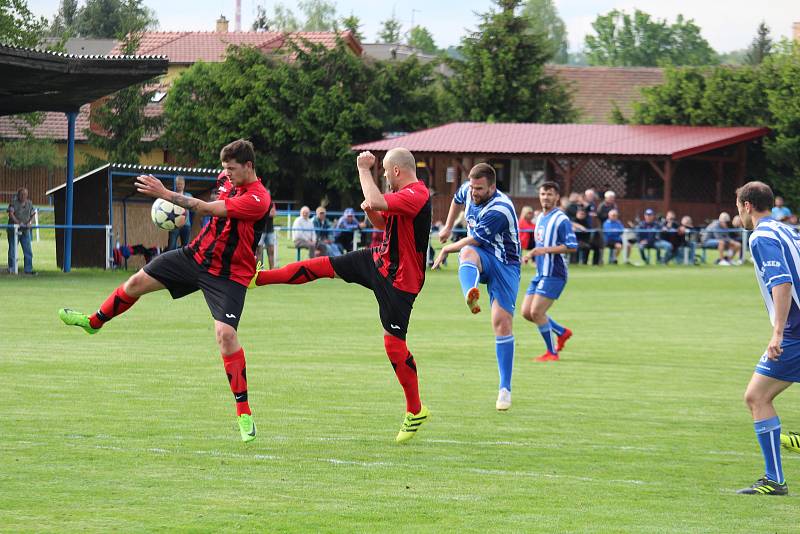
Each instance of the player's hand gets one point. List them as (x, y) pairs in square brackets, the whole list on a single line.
[(151, 186), (365, 161), (439, 260), (774, 349), (444, 234), (365, 206)]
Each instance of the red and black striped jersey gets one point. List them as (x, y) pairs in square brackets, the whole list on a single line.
[(226, 246), (401, 256)]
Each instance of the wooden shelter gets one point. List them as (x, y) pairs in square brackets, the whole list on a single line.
[(692, 170)]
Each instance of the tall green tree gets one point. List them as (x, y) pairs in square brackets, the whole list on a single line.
[(127, 130), (641, 41), (760, 47), (283, 19), (320, 15), (353, 24), (543, 18), (501, 77), (18, 26), (390, 30), (107, 19), (422, 39), (64, 20)]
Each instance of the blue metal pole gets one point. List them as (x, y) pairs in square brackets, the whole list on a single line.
[(71, 116)]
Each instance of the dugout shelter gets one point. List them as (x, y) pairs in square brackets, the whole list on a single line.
[(107, 196), (37, 80)]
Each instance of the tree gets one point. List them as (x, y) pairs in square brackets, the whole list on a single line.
[(107, 19), (353, 24), (18, 26), (420, 38), (320, 15), (501, 77), (760, 47), (125, 125), (543, 18), (64, 20), (282, 20), (390, 30), (640, 41)]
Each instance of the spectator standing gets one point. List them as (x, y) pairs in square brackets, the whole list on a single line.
[(185, 231), (21, 212), (780, 212), (648, 233), (612, 230), (609, 203), (267, 240), (345, 229), (526, 227), (303, 233), (324, 234), (718, 235)]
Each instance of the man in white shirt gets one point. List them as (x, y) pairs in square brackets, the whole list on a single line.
[(303, 233)]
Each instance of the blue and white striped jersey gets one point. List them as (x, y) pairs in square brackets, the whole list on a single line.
[(493, 224), (776, 255), (553, 229)]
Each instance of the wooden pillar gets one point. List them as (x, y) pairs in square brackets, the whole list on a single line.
[(668, 170), (741, 164), (718, 173)]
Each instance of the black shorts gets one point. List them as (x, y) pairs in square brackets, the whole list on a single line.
[(394, 305), (181, 275)]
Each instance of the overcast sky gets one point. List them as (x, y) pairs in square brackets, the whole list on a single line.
[(728, 25)]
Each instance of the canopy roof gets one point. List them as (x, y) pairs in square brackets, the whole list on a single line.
[(674, 142), (35, 80)]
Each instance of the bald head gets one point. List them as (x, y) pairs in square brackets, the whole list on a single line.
[(401, 158)]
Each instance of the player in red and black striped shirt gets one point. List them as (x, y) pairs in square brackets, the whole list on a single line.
[(394, 271), (219, 262)]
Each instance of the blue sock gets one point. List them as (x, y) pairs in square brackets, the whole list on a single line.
[(504, 347), (468, 275), (557, 328), (547, 334), (768, 433)]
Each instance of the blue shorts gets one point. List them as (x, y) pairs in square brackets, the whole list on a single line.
[(547, 286), (501, 279), (787, 368)]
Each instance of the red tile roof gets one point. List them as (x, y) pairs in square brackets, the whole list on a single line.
[(595, 90), (576, 139), (190, 47)]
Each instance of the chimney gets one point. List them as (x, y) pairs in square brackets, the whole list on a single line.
[(238, 19), (222, 24), (796, 31)]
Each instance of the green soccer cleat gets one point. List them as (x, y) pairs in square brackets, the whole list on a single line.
[(791, 441), (76, 318), (247, 427), (411, 424), (765, 486), (252, 284)]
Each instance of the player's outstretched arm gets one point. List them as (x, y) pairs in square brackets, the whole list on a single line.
[(541, 251), (453, 247), (447, 229), (151, 186), (372, 195)]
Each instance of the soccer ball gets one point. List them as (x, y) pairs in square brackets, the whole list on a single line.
[(167, 215)]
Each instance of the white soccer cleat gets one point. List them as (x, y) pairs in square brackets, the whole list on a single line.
[(503, 400)]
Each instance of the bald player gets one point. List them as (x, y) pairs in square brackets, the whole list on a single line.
[(394, 271)]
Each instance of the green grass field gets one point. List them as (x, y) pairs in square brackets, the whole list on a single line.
[(641, 427)]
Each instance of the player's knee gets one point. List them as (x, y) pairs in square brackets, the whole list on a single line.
[(135, 284), (755, 399), (468, 254), (527, 314), (226, 335)]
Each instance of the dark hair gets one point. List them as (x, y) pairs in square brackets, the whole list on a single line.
[(483, 170), (240, 150), (758, 194), (551, 185)]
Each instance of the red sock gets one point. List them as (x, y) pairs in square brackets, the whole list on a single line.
[(117, 302), (406, 370), (297, 273), (237, 378)]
